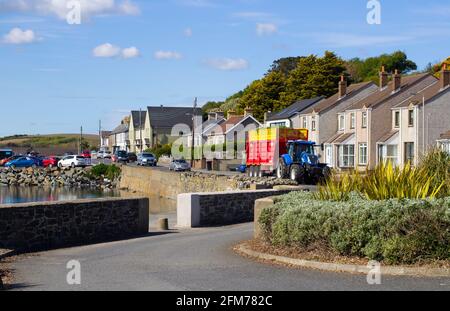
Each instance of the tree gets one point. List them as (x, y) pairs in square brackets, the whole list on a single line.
[(263, 95), (285, 65), (369, 68), (314, 76), (436, 68)]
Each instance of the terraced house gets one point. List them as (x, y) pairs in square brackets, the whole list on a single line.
[(137, 132), (320, 118), (160, 122), (418, 123), (366, 124)]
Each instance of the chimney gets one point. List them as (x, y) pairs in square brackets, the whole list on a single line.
[(397, 81), (248, 112), (231, 113), (342, 87), (220, 115), (212, 116), (384, 78), (445, 77)]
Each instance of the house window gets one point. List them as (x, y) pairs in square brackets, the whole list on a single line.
[(409, 153), (397, 119), (445, 145), (363, 154), (347, 156), (388, 154), (411, 118), (305, 123), (352, 121), (341, 122), (313, 124), (364, 120)]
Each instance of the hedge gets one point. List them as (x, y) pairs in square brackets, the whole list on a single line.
[(391, 231)]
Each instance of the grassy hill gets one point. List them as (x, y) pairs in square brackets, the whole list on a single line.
[(47, 141)]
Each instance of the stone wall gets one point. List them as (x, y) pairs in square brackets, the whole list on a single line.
[(222, 208), (48, 225), (162, 187)]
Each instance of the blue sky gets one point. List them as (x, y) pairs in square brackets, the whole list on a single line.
[(126, 54)]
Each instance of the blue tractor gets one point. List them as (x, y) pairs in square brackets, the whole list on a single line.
[(301, 164)]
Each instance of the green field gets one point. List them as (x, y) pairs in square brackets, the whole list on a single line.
[(45, 141)]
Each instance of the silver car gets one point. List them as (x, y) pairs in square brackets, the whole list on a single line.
[(179, 166), (146, 159)]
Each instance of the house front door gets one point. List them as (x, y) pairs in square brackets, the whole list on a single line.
[(329, 155)]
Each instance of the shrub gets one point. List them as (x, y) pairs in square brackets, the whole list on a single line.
[(437, 163), (109, 171), (160, 151), (394, 231), (386, 182)]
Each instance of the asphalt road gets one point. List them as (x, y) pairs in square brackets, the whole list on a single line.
[(198, 259)]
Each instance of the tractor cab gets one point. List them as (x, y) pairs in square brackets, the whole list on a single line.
[(301, 163), (302, 151)]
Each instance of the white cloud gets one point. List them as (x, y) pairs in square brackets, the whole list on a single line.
[(188, 32), (266, 29), (129, 8), (199, 3), (166, 55), (59, 8), (106, 50), (343, 40), (109, 50), (253, 15), (19, 36), (130, 52), (228, 64)]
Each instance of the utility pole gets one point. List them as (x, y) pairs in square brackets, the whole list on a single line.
[(100, 134), (193, 132), (140, 129), (81, 141)]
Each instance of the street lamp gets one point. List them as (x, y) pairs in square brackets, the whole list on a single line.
[(193, 114)]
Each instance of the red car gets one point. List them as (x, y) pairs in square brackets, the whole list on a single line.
[(86, 154), (4, 161), (50, 162)]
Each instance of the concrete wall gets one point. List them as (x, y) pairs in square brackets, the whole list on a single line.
[(225, 208), (162, 187), (48, 225)]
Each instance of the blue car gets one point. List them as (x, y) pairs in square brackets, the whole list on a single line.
[(24, 162)]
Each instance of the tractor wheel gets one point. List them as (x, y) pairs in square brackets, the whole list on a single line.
[(297, 173), (250, 171), (282, 172), (260, 172)]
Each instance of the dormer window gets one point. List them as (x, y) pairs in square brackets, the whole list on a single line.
[(397, 119), (353, 121), (305, 123), (364, 120), (341, 122), (410, 118)]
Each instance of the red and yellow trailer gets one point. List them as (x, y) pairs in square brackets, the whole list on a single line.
[(264, 147)]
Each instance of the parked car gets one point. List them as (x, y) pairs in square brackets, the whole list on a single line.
[(120, 157), (72, 161), (86, 154), (104, 155), (22, 162), (6, 153), (179, 166), (146, 159), (4, 161), (132, 157), (51, 161)]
